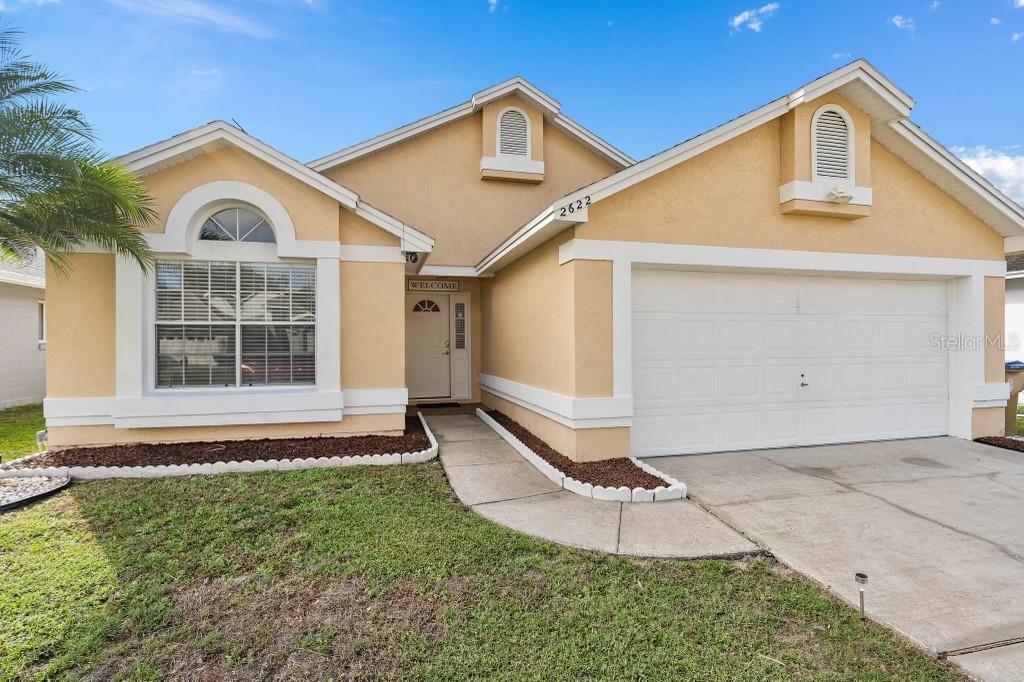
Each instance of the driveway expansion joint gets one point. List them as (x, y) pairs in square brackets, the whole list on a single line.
[(998, 644)]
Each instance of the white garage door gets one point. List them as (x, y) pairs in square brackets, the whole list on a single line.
[(726, 361)]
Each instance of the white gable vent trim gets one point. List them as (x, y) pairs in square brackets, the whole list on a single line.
[(513, 146), (832, 153), (513, 133)]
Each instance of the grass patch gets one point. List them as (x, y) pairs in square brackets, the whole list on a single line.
[(379, 573), (18, 427)]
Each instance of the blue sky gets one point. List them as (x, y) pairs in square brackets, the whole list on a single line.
[(312, 76)]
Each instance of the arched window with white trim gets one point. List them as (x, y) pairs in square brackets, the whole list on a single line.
[(832, 145), (238, 224), (513, 133), (238, 317)]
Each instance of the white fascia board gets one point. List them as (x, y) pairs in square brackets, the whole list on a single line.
[(516, 86), (529, 236), (587, 137), (859, 70), (450, 271), (412, 239), (391, 137), (680, 153), (22, 280), (946, 160), (899, 101), (160, 153), (154, 155), (513, 86)]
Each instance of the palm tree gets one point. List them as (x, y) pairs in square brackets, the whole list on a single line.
[(57, 191)]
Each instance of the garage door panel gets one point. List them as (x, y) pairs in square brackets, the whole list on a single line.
[(741, 382), (719, 360), (781, 336)]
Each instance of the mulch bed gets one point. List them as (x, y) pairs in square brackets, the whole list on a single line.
[(209, 452), (611, 473), (1002, 442)]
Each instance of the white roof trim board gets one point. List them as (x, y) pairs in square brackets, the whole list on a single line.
[(20, 279), (197, 141), (858, 82), (513, 86)]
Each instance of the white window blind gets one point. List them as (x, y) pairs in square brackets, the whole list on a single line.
[(512, 134), (460, 326), (222, 323), (832, 146)]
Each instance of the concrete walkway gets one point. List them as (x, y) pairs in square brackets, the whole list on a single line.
[(495, 482)]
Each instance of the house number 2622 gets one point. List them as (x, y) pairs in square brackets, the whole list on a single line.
[(577, 205)]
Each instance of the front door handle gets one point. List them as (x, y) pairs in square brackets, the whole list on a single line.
[(804, 383)]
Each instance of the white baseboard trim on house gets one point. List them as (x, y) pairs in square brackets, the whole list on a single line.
[(375, 400), (223, 407), (576, 413), (991, 395)]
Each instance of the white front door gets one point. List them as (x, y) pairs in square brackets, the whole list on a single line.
[(427, 346), (729, 361)]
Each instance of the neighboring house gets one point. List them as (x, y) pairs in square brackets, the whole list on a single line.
[(1015, 306), (818, 270), (23, 341)]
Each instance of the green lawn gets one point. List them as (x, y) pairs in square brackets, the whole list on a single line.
[(18, 426), (379, 573)]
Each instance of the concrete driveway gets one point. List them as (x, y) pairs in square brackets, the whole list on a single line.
[(936, 523)]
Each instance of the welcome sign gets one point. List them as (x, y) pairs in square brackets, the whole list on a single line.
[(433, 285)]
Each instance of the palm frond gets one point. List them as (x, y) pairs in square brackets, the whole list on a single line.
[(57, 192)]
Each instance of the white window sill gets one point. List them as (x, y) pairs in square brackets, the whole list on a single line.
[(818, 190), (511, 164)]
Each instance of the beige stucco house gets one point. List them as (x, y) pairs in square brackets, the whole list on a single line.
[(817, 270)]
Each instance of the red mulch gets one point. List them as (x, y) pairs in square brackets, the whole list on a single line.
[(154, 454), (1002, 442), (611, 473)]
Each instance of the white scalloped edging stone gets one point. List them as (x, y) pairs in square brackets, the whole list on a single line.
[(674, 490), (232, 467)]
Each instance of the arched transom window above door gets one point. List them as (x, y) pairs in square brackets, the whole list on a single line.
[(426, 306)]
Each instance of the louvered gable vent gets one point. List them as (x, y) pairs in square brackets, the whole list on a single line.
[(512, 134), (832, 146)]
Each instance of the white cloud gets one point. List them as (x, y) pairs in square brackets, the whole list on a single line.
[(1018, 3), (205, 80), (935, 5), (753, 19), (1016, 37), (492, 5), (841, 55), (197, 12), (904, 23), (995, 21), (1001, 168)]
